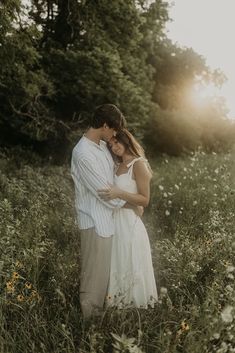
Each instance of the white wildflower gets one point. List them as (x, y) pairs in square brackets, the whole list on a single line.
[(165, 194), (177, 186), (230, 268), (230, 276), (229, 288), (163, 291), (169, 202), (216, 336), (216, 171), (223, 348), (194, 203), (227, 314), (161, 187), (167, 213)]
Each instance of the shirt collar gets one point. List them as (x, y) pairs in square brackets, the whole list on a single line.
[(101, 145)]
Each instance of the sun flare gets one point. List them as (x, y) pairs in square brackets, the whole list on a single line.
[(210, 33), (200, 94)]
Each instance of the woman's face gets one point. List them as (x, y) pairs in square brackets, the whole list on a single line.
[(117, 147)]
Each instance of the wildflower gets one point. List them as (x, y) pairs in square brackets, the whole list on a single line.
[(28, 285), (169, 202), (227, 314), (19, 264), (163, 291), (109, 297), (216, 336), (177, 186), (184, 326), (230, 276), (10, 287), (20, 298), (230, 268), (165, 194), (226, 263), (161, 187), (167, 213), (15, 275), (194, 203), (229, 288)]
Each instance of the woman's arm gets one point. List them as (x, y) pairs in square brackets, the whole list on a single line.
[(142, 177)]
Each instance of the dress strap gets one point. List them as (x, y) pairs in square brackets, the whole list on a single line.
[(130, 165), (135, 160)]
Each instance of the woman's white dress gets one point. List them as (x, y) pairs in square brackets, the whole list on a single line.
[(132, 282)]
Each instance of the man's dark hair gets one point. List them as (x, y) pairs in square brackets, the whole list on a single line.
[(108, 114)]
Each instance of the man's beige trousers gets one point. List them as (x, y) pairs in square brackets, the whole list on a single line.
[(95, 270)]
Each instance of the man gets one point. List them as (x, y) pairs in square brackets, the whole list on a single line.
[(92, 169)]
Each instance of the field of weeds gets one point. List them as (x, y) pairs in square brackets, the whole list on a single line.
[(191, 225)]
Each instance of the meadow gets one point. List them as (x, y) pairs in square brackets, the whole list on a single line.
[(190, 221)]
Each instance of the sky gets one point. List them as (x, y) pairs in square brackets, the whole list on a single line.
[(208, 26)]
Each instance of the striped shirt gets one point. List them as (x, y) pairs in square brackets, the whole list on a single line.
[(92, 168)]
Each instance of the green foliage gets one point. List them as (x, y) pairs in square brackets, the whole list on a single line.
[(60, 59), (24, 84), (179, 131), (191, 226)]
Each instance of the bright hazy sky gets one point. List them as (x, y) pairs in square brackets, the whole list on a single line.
[(208, 26)]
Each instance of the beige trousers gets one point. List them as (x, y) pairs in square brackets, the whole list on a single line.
[(95, 270)]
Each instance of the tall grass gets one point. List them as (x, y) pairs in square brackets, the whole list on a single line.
[(191, 226)]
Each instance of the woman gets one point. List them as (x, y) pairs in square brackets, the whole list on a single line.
[(132, 280)]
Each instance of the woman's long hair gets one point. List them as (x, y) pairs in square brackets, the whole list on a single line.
[(131, 145)]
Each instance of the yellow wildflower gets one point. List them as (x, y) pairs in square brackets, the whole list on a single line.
[(34, 293), (28, 285), (184, 326), (10, 286), (20, 298), (19, 264), (15, 275)]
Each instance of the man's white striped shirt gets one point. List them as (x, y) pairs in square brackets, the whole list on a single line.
[(92, 168)]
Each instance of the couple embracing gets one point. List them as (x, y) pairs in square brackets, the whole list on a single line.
[(112, 184)]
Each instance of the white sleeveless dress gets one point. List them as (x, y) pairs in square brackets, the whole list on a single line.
[(132, 282)]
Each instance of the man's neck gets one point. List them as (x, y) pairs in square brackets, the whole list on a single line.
[(93, 135)]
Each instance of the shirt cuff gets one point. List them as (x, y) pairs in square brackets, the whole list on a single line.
[(120, 203)]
